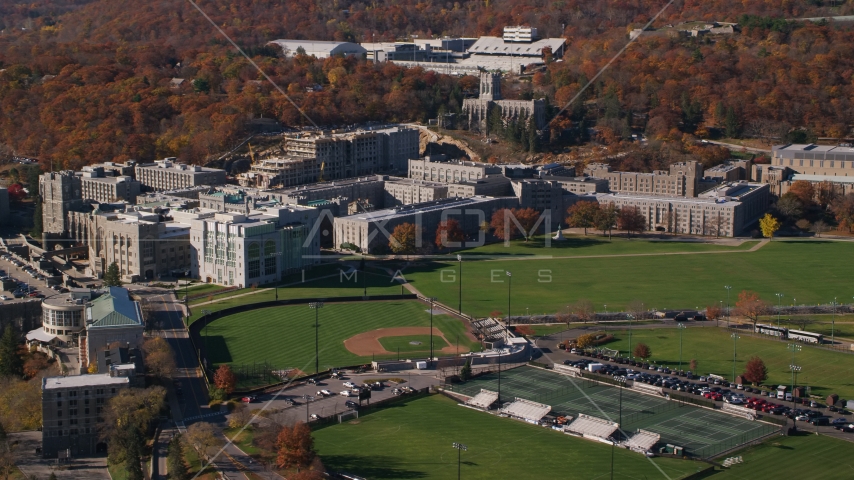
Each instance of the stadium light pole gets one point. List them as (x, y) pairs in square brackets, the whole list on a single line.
[(499, 379), (779, 307), (316, 306), (728, 288), (432, 299), (681, 327), (794, 347), (206, 314), (833, 324), (734, 347), (509, 285), (308, 399), (460, 447), (621, 380), (631, 317), (460, 308)]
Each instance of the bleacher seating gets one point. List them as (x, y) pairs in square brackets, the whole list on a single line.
[(642, 441), (592, 427), (483, 399), (527, 410)]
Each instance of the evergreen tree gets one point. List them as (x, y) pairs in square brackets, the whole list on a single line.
[(465, 372), (38, 228), (732, 124), (133, 462), (175, 460), (112, 277), (533, 137), (10, 361)]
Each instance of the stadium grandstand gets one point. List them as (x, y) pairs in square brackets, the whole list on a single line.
[(642, 441), (526, 410), (592, 427), (483, 400)]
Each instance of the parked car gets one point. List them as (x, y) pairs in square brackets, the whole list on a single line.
[(349, 384), (324, 393), (820, 421), (839, 421), (347, 393), (314, 416), (249, 399), (351, 404)]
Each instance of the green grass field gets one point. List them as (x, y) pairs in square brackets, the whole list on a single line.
[(284, 336), (825, 371), (334, 286), (413, 440), (799, 456), (809, 271), (597, 245), (392, 344)]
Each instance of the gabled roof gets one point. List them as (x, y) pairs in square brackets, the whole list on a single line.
[(115, 309)]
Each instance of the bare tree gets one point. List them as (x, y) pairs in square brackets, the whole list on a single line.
[(820, 227), (583, 310), (636, 309), (202, 437), (239, 417)]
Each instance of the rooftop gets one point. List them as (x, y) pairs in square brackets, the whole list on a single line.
[(115, 309), (497, 46), (424, 207), (76, 381), (845, 152)]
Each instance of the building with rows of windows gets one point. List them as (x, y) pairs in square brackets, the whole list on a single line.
[(73, 411), (725, 211), (255, 248)]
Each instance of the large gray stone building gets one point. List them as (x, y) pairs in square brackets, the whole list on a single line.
[(682, 180), (439, 170), (4, 206), (478, 109), (370, 231), (100, 186), (169, 174), (725, 211), (60, 193)]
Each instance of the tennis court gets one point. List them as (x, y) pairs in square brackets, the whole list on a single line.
[(702, 432)]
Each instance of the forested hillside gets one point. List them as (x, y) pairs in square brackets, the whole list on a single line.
[(85, 81)]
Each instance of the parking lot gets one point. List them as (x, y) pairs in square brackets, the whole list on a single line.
[(289, 406), (27, 286)]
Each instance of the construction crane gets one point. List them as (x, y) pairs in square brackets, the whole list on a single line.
[(320, 177)]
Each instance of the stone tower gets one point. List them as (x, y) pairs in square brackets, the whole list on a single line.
[(60, 193), (490, 86)]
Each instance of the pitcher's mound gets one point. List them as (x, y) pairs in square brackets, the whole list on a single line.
[(368, 343)]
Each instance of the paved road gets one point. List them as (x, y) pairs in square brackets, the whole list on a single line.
[(739, 147), (187, 397)]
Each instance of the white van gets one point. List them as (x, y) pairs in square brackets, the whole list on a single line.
[(788, 397)]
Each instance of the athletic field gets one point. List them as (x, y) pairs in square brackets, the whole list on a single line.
[(702, 432), (414, 439), (284, 337), (662, 275)]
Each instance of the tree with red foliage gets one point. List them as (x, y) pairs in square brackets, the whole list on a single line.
[(804, 191), (642, 350), (749, 305), (631, 220), (502, 226), (843, 211), (225, 379), (295, 446), (16, 192), (755, 371), (449, 234), (527, 218)]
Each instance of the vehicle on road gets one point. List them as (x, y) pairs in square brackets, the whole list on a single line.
[(351, 404), (820, 421), (249, 399)]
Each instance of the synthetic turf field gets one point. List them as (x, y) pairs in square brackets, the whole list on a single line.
[(413, 439), (702, 432)]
